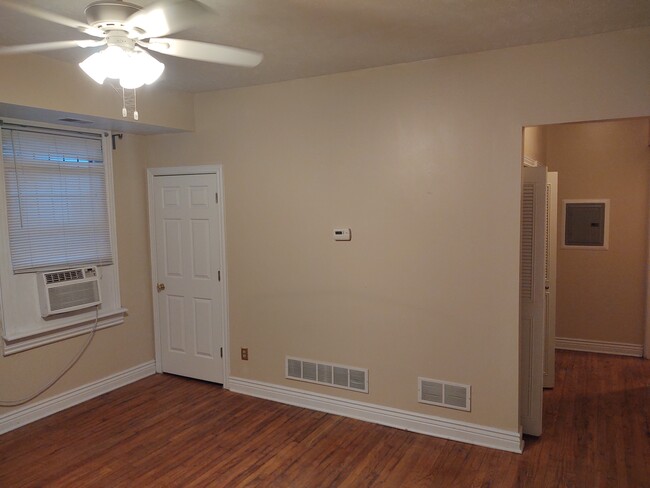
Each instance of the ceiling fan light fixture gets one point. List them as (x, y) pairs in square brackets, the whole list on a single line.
[(94, 67), (115, 60), (139, 69), (132, 68), (127, 32)]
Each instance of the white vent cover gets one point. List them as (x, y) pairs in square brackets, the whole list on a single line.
[(527, 241), (444, 394), (336, 375)]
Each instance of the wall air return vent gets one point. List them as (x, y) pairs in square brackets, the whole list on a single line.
[(309, 371), (72, 120), (328, 374), (444, 394), (294, 368)]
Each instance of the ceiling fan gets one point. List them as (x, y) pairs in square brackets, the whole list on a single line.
[(127, 31)]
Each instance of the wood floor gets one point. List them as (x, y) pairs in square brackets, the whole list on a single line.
[(171, 431)]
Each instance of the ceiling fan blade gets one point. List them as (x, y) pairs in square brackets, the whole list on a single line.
[(203, 51), (51, 17), (167, 16), (48, 46)]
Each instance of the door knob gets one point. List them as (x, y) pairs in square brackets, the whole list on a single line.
[(160, 286)]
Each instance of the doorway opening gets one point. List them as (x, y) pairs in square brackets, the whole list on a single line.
[(189, 272), (601, 302)]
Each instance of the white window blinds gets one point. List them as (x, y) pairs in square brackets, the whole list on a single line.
[(56, 199)]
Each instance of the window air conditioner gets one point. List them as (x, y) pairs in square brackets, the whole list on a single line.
[(67, 290)]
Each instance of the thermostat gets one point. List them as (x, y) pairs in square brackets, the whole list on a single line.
[(342, 235)]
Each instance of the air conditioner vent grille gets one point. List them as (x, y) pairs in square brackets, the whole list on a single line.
[(444, 394), (341, 377), (309, 371), (456, 396), (324, 373), (294, 368), (327, 374), (357, 379), (431, 392), (67, 275), (68, 290), (73, 295)]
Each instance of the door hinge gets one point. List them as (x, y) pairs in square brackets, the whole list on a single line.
[(216, 198), (221, 351), (219, 275)]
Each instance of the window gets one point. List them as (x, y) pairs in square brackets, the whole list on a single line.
[(586, 224), (56, 199), (58, 190)]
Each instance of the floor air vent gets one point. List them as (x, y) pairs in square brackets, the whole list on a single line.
[(444, 394), (328, 374)]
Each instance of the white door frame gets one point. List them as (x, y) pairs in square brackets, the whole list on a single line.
[(646, 339), (551, 278), (212, 169)]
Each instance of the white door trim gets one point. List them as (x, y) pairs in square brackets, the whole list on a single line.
[(646, 339), (551, 278), (215, 169)]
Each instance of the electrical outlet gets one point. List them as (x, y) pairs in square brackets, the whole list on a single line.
[(244, 353)]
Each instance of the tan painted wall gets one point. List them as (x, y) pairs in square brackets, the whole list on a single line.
[(601, 294), (535, 143), (422, 161), (45, 83), (37, 82), (117, 348)]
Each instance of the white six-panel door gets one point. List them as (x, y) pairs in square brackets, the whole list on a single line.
[(188, 244)]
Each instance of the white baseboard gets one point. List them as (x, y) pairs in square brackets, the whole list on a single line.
[(604, 347), (35, 411), (401, 419)]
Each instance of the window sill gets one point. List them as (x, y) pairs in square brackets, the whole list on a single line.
[(19, 343)]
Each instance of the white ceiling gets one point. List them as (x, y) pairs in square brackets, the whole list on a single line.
[(303, 38)]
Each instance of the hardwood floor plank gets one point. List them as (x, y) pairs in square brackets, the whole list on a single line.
[(171, 431)]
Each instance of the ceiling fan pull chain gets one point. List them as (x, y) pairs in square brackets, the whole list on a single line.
[(135, 106), (129, 103)]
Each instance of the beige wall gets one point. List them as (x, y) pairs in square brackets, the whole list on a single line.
[(44, 83), (535, 143), (601, 294), (422, 161), (117, 348), (67, 90)]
